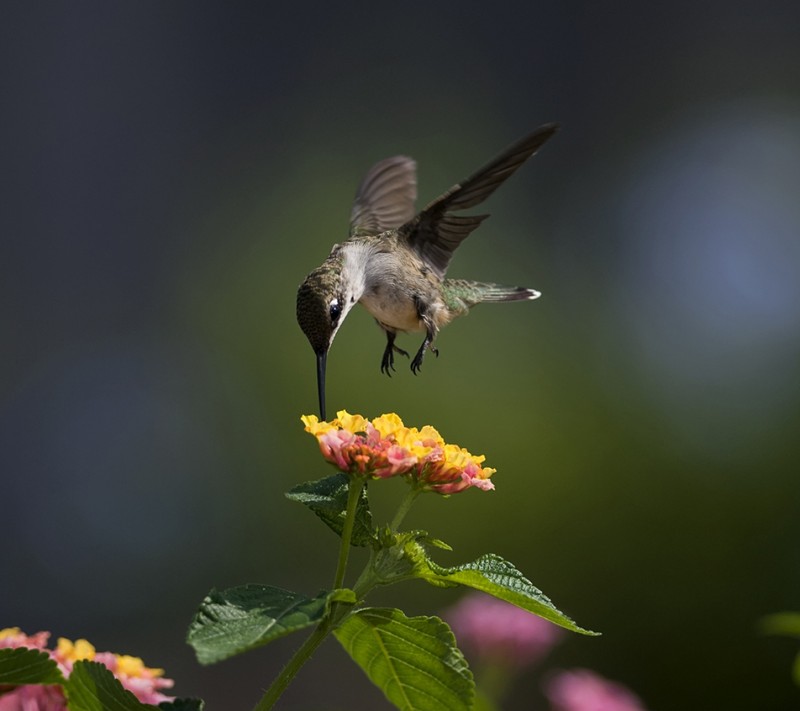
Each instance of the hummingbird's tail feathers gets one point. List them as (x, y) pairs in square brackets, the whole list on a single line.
[(435, 233), (496, 292), (461, 294), (385, 198)]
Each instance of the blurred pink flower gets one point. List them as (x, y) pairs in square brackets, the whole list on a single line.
[(33, 698), (13, 637), (584, 690), (498, 632), (145, 683)]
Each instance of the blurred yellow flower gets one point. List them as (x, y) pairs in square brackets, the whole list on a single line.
[(145, 683), (134, 667), (80, 649)]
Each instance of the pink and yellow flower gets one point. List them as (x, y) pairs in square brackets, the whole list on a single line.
[(145, 683), (385, 447)]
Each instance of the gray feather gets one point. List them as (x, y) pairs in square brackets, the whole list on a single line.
[(385, 199), (435, 233)]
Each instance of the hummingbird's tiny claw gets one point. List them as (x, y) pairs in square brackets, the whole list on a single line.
[(416, 364), (387, 362)]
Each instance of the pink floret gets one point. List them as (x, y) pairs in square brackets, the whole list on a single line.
[(584, 690), (33, 698)]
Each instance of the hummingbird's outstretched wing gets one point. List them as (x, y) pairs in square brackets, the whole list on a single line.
[(385, 199), (435, 232)]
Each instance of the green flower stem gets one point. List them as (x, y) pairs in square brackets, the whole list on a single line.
[(301, 656), (337, 612), (494, 680), (353, 494), (405, 505), (367, 580)]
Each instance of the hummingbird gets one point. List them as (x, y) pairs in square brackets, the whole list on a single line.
[(395, 259)]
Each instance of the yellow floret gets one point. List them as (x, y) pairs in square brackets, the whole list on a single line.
[(134, 666), (80, 649), (411, 440), (351, 423), (314, 426), (388, 424)]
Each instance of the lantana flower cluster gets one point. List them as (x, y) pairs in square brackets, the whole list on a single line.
[(145, 683), (384, 447)]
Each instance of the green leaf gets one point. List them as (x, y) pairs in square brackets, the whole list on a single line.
[(28, 666), (92, 687), (414, 660), (344, 595), (401, 556), (239, 619), (494, 575), (328, 499), (182, 705)]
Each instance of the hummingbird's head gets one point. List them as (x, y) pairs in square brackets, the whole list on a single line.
[(322, 304), (320, 308)]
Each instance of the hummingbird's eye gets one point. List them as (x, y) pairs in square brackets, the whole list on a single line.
[(335, 311)]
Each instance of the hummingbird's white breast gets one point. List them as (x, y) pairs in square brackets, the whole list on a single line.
[(392, 309), (385, 289)]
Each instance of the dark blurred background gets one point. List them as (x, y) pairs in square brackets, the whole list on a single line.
[(170, 172)]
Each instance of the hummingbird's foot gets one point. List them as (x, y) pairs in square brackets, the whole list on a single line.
[(387, 362), (430, 334), (416, 364)]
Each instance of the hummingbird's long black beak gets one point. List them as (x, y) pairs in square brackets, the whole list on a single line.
[(322, 358)]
